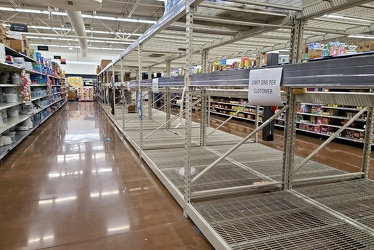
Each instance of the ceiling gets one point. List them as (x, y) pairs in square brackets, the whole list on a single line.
[(228, 29), (52, 26)]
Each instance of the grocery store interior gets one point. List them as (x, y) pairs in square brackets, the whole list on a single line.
[(161, 124)]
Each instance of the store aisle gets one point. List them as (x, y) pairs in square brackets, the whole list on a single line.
[(74, 184)]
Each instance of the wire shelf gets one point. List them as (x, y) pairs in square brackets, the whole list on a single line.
[(354, 199), (279, 221)]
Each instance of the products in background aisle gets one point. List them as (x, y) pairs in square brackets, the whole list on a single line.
[(336, 49), (25, 89), (85, 94), (75, 82)]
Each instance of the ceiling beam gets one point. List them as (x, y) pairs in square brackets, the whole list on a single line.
[(237, 22), (326, 7), (278, 6), (203, 31), (229, 40), (240, 9)]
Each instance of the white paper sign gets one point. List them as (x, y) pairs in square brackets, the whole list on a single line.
[(155, 85), (264, 87)]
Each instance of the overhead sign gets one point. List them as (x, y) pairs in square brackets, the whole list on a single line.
[(19, 27), (264, 87), (155, 85), (43, 48), (56, 57)]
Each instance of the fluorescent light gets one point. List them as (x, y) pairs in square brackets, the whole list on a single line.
[(118, 19), (347, 18), (83, 15), (361, 36), (76, 47), (114, 33)]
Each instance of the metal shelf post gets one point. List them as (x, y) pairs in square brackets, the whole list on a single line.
[(140, 106), (290, 126), (188, 118), (368, 141), (167, 99), (150, 94)]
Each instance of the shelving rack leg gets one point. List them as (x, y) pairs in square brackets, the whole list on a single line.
[(368, 141), (188, 119), (150, 94), (167, 99), (140, 104)]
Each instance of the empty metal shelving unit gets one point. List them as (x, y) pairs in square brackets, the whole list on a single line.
[(239, 193)]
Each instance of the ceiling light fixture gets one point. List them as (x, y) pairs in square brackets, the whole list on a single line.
[(45, 12), (74, 39), (88, 31), (346, 18), (76, 47), (361, 36)]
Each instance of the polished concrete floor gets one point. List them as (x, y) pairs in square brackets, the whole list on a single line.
[(75, 184)]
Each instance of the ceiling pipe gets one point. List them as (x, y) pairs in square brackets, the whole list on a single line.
[(76, 21)]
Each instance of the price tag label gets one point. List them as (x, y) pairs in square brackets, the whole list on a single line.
[(264, 87), (155, 85)]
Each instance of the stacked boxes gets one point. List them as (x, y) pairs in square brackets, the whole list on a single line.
[(75, 82), (3, 38), (365, 47), (336, 49), (85, 94), (314, 51), (20, 46)]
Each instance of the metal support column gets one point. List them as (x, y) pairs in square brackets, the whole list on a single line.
[(113, 104), (123, 96), (188, 117), (290, 126), (167, 99), (107, 81), (204, 117), (140, 100), (150, 94), (368, 141), (205, 102), (289, 140), (167, 105), (257, 120), (204, 60)]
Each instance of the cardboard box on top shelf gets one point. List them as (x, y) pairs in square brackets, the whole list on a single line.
[(315, 53), (2, 30), (361, 47), (19, 45), (104, 63), (368, 46)]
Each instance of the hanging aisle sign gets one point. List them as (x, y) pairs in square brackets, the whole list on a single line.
[(264, 87), (155, 85)]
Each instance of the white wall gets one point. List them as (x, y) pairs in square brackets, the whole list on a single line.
[(75, 63)]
